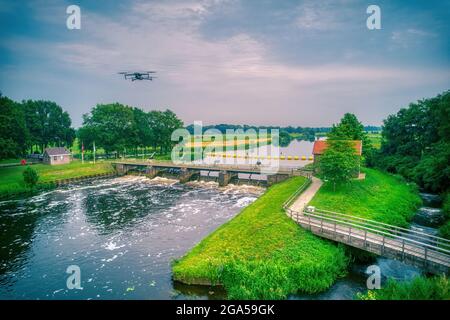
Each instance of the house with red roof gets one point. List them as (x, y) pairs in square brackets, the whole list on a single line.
[(321, 145)]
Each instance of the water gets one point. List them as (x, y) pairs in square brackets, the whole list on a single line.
[(123, 233), (299, 148)]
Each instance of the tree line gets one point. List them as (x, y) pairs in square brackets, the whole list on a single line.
[(31, 126), (416, 143), (118, 128)]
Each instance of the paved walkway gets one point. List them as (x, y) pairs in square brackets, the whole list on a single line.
[(307, 195)]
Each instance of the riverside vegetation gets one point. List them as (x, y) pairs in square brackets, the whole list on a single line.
[(12, 180), (263, 254)]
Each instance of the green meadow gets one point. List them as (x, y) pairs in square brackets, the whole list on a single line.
[(380, 196), (11, 178)]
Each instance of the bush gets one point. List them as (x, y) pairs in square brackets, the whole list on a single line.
[(30, 177)]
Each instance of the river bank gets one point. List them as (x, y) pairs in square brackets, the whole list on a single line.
[(12, 185)]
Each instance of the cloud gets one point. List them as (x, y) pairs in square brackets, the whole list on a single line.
[(410, 37), (235, 78)]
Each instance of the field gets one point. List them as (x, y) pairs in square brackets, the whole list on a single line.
[(263, 254), (381, 196), (11, 179)]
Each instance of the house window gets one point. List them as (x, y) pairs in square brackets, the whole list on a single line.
[(55, 158), (62, 157)]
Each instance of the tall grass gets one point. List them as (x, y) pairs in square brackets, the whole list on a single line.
[(420, 288)]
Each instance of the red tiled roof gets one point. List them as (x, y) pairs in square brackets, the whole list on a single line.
[(321, 145)]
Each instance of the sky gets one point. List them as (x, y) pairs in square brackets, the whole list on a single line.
[(259, 62)]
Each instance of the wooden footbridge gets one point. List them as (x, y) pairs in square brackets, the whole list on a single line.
[(416, 248), (190, 171)]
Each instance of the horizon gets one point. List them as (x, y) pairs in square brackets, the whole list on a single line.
[(296, 63)]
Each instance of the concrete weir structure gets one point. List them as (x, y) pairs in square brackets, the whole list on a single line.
[(187, 172)]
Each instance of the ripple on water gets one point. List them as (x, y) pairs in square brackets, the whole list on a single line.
[(122, 232)]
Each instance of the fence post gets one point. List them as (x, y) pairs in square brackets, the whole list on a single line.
[(321, 226), (349, 234), (335, 233), (365, 238), (403, 249)]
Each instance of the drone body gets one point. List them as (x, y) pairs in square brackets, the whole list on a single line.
[(138, 75)]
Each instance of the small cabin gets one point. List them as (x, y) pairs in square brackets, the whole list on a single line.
[(55, 156), (321, 145)]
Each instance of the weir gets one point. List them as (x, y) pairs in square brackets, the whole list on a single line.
[(187, 172)]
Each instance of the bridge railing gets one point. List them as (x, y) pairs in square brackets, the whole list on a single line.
[(370, 231), (394, 231)]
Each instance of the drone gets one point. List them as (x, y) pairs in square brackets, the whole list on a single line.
[(135, 75)]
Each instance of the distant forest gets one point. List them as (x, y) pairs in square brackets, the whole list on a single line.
[(308, 131)]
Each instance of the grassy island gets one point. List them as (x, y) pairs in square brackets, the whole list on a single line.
[(263, 254)]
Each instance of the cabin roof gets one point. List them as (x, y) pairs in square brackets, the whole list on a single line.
[(321, 145), (58, 151)]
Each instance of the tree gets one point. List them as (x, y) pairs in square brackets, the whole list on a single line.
[(30, 177), (350, 129), (14, 134), (416, 143), (48, 124), (339, 163), (116, 127), (111, 126)]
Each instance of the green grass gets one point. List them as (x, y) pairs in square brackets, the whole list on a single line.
[(11, 178), (420, 288), (263, 254), (381, 196), (8, 161)]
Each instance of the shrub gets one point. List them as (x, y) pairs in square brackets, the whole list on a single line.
[(30, 177)]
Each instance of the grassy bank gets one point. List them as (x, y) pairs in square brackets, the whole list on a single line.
[(263, 254), (11, 178), (420, 288), (381, 196)]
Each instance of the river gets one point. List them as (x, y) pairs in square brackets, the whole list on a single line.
[(122, 233)]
